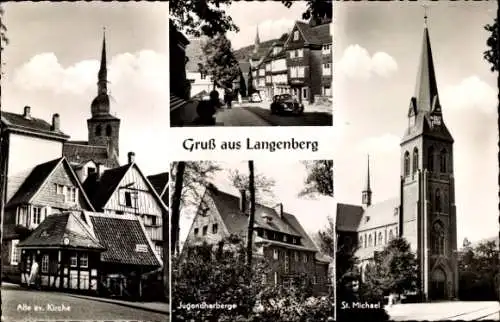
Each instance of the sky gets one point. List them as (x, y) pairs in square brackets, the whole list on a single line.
[(312, 212), (52, 61), (377, 52)]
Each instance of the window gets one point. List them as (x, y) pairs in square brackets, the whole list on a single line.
[(91, 170), (375, 239), (437, 200), (370, 240), (380, 239), (59, 189), (304, 93), (130, 198), (37, 215), (268, 67), (98, 130), (360, 241), (430, 159), (407, 164), (326, 49), (391, 235), (15, 254), (438, 240), (84, 280), (84, 260), (365, 241), (275, 278), (296, 255), (262, 72), (196, 231), (285, 238), (108, 130), (415, 160), (215, 228), (153, 220), (296, 35), (45, 263), (204, 230), (72, 194), (305, 257), (73, 260), (292, 53), (442, 161), (287, 263), (300, 72), (275, 254), (327, 69), (300, 52), (159, 250)]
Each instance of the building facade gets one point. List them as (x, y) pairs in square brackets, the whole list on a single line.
[(424, 213), (279, 238)]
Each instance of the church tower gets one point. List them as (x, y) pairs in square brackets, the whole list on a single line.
[(103, 128), (366, 194), (427, 210), (257, 41)]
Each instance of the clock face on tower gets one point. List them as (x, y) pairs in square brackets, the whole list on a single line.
[(435, 120)]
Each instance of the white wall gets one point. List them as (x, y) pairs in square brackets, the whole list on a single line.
[(278, 65), (25, 153)]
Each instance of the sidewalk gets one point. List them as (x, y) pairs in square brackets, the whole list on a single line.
[(156, 307)]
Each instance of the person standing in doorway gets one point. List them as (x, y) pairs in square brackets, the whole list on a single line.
[(33, 279)]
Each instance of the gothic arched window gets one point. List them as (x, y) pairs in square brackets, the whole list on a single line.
[(365, 240), (391, 235), (108, 130), (415, 160), (437, 200), (375, 239), (370, 240), (360, 241), (442, 161), (380, 240), (98, 130), (430, 159), (438, 238), (407, 164)]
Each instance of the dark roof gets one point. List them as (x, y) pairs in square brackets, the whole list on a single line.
[(33, 183), (317, 35), (244, 67), (99, 191), (121, 236), (380, 214), (422, 127), (348, 217), (55, 228), (247, 52), (237, 222), (35, 125), (81, 151), (160, 184)]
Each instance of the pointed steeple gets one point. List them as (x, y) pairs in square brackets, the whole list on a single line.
[(257, 41), (426, 92), (102, 76), (367, 192)]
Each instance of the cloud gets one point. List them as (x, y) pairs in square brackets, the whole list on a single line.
[(145, 69), (470, 93), (357, 63), (385, 143)]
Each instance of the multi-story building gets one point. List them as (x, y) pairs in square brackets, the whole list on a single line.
[(276, 73), (309, 55), (424, 213), (125, 190), (279, 238)]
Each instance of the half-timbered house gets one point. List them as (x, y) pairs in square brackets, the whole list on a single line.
[(126, 190), (51, 187)]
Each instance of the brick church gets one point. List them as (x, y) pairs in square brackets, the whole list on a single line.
[(424, 213)]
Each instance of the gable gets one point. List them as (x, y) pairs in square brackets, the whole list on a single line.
[(133, 183)]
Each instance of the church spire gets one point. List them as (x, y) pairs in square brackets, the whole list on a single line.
[(426, 92), (367, 193), (102, 84), (257, 41)]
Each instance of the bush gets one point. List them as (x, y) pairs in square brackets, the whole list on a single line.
[(215, 283)]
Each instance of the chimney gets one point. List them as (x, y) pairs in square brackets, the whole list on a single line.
[(243, 200), (55, 122), (131, 157), (279, 209), (27, 112)]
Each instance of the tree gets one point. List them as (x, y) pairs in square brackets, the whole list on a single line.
[(263, 185), (491, 55), (394, 270), (251, 218), (316, 10), (220, 62), (319, 178), (189, 178)]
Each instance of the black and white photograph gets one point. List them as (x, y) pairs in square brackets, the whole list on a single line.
[(251, 63), (252, 240), (416, 182), (84, 173)]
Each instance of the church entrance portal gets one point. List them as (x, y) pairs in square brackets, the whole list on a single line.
[(438, 284)]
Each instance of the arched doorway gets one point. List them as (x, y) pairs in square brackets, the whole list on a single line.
[(438, 284)]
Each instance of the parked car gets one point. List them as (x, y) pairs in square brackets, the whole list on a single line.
[(255, 98), (286, 103)]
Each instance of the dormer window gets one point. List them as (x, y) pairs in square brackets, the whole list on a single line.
[(296, 35)]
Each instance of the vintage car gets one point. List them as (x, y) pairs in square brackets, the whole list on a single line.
[(255, 98), (286, 103)]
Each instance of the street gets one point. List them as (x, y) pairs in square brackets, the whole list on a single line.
[(20, 304), (440, 311), (250, 114)]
